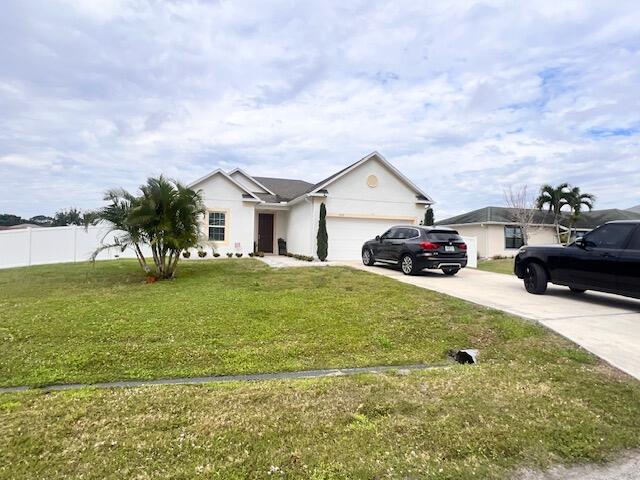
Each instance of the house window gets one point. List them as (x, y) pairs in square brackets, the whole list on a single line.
[(217, 226), (513, 237)]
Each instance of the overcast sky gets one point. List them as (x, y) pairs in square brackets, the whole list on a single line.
[(465, 98)]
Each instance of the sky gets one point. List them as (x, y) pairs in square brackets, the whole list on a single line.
[(465, 98)]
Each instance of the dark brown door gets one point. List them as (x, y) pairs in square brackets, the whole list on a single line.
[(265, 232)]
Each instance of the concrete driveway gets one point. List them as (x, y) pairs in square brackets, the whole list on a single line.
[(607, 325)]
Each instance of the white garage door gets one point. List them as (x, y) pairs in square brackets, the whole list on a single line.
[(346, 235)]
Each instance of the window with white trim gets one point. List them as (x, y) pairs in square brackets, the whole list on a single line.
[(513, 237), (217, 226)]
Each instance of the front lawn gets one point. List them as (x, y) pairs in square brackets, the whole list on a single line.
[(465, 422), (83, 323), (501, 265), (534, 400)]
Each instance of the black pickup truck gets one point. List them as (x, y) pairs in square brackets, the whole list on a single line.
[(606, 259)]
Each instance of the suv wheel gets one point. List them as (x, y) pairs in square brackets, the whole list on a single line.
[(408, 265), (450, 270), (367, 257), (535, 279)]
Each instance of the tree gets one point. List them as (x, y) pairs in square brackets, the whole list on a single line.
[(9, 220), (322, 236), (521, 210), (428, 217), (555, 199), (576, 200), (69, 216), (42, 220), (164, 217)]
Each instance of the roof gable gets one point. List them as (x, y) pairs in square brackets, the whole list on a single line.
[(248, 195), (251, 180), (323, 184)]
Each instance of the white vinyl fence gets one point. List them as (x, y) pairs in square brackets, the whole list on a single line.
[(39, 246), (472, 251)]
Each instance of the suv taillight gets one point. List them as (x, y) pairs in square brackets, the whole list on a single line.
[(429, 245), (462, 246)]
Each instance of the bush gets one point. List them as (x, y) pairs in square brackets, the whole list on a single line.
[(186, 254), (251, 254), (238, 255), (216, 254), (202, 253), (229, 254), (260, 254), (322, 237)]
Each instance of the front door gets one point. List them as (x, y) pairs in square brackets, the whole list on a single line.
[(265, 232)]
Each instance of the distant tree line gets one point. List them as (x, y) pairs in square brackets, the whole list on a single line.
[(62, 218)]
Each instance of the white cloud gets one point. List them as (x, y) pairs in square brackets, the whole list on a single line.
[(464, 97)]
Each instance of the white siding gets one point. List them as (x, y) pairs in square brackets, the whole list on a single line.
[(222, 195)]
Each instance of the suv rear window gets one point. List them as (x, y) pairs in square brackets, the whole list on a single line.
[(444, 237)]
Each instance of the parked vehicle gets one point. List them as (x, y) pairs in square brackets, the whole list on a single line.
[(416, 248), (606, 259)]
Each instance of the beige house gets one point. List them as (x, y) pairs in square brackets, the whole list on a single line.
[(497, 234)]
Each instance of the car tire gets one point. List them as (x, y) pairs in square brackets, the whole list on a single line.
[(577, 290), (408, 265), (367, 257), (450, 271), (535, 279)]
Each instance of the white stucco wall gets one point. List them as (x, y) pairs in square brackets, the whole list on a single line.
[(221, 194), (373, 209), (299, 228), (491, 240)]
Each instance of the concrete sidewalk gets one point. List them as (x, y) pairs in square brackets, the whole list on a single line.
[(607, 325)]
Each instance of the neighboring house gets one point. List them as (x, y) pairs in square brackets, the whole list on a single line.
[(635, 209), (362, 201), (497, 233)]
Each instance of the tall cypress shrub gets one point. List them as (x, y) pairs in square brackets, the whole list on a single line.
[(428, 216), (322, 237)]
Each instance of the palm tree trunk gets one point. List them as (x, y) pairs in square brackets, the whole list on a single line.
[(141, 259)]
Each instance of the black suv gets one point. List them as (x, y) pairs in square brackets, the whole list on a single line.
[(416, 248), (606, 259)]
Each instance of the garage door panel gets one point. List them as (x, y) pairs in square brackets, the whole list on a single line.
[(346, 235)]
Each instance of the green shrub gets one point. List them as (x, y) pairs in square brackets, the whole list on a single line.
[(322, 237), (186, 254), (238, 255), (202, 253), (229, 254)]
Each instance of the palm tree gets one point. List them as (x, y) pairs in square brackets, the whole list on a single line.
[(555, 199), (115, 216), (164, 217), (576, 201), (168, 212)]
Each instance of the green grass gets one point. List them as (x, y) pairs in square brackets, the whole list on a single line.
[(534, 400), (80, 323), (466, 422), (502, 265)]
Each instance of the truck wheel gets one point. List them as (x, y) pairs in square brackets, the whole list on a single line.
[(535, 279)]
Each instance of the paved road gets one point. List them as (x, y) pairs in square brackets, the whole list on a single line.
[(607, 325)]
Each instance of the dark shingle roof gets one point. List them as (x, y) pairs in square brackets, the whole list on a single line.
[(587, 220), (598, 217), (285, 188), (495, 214)]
